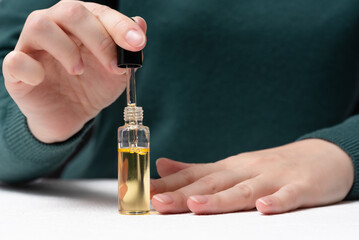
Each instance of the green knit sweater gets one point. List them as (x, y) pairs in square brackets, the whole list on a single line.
[(218, 79)]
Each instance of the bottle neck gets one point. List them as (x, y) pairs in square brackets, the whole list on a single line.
[(133, 115)]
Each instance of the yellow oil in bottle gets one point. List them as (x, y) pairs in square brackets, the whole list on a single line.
[(133, 180)]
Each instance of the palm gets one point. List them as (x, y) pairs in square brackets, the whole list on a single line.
[(64, 102)]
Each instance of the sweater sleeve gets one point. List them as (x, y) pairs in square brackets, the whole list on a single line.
[(22, 156), (346, 136)]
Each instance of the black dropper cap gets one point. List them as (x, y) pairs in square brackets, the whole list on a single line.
[(129, 59)]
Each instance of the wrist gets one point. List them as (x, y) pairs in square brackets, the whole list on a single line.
[(52, 133), (323, 150)]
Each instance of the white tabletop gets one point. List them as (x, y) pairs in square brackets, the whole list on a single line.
[(87, 209)]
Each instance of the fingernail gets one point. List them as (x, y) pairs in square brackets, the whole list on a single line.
[(199, 199), (163, 198), (79, 68), (153, 187), (134, 19), (135, 38), (266, 201)]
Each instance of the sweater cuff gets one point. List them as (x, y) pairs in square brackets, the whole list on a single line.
[(346, 136), (31, 158)]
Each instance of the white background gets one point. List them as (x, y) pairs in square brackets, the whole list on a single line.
[(88, 210)]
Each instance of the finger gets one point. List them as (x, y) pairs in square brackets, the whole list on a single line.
[(76, 19), (41, 33), (167, 166), (124, 31), (21, 74), (209, 184), (285, 199), (183, 177), (20, 67), (242, 196)]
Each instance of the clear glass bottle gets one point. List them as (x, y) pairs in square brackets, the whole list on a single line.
[(133, 163)]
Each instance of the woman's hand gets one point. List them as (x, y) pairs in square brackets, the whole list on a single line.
[(63, 71), (307, 173)]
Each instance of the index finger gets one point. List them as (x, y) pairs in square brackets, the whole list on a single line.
[(183, 177), (123, 30)]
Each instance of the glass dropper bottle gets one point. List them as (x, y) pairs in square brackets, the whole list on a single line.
[(133, 145)]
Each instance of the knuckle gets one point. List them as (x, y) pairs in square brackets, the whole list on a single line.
[(100, 10), (72, 54), (245, 190), (273, 156), (228, 162), (217, 202), (119, 26), (106, 44), (187, 174), (10, 60), (243, 155), (182, 195), (74, 51), (37, 21), (264, 159), (222, 163), (292, 192), (210, 183), (253, 163), (161, 185), (72, 11)]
